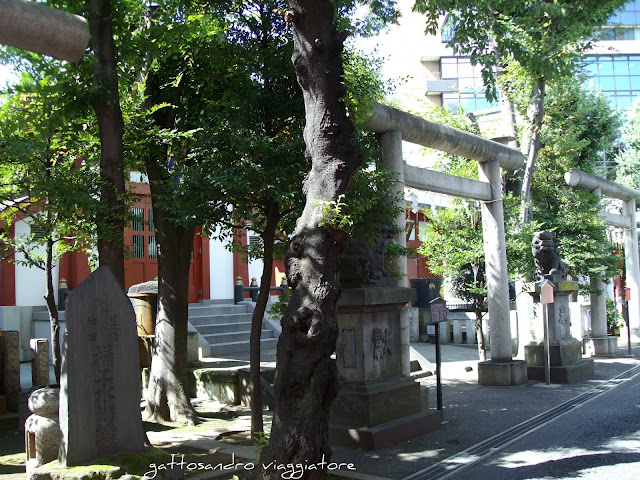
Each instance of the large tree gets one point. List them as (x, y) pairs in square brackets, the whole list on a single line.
[(306, 378), (47, 179), (580, 130), (187, 78), (106, 103), (538, 39), (264, 163)]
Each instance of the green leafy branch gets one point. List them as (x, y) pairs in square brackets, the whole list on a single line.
[(332, 214)]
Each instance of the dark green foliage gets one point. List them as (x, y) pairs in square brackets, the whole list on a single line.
[(580, 127)]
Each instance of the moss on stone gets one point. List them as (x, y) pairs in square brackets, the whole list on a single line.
[(108, 467)]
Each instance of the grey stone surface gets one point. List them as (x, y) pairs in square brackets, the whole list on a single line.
[(100, 385), (369, 343), (217, 384), (42, 440), (391, 156), (44, 401), (503, 374), (40, 368), (496, 264), (414, 324), (561, 353), (193, 353), (375, 403), (41, 29), (441, 137), (377, 396), (10, 368), (563, 374), (601, 347)]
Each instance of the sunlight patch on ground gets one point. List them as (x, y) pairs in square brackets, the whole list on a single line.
[(627, 443), (529, 458), (415, 456)]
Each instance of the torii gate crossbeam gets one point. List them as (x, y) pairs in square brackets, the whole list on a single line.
[(394, 126), (41, 29)]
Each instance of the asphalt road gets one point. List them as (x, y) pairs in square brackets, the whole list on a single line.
[(599, 439)]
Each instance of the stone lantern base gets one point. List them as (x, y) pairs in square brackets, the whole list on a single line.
[(377, 405)]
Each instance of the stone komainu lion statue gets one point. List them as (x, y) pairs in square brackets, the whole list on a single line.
[(545, 252)]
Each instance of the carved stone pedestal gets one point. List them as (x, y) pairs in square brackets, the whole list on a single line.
[(377, 405), (565, 352)]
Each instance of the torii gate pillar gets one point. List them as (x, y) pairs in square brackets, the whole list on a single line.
[(501, 369), (391, 155), (633, 269)]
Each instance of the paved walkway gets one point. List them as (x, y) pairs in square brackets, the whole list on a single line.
[(472, 413)]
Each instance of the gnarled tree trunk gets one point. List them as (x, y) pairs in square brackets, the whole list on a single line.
[(306, 378)]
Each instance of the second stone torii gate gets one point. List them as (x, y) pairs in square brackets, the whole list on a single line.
[(627, 221), (394, 126)]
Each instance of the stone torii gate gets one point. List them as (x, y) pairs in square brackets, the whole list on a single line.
[(394, 126), (627, 221), (42, 29)]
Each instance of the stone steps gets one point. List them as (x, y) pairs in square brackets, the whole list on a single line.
[(226, 328)]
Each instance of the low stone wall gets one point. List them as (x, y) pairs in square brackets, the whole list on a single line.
[(231, 385)]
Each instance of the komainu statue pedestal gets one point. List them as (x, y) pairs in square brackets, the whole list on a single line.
[(565, 352)]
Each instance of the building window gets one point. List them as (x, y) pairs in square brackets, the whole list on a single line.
[(138, 246), (153, 247), (627, 15), (617, 76), (448, 29), (137, 224), (470, 96)]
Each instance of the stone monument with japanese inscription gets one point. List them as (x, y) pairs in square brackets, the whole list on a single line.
[(100, 384), (565, 352)]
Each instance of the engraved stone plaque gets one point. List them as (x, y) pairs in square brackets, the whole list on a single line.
[(349, 358), (100, 384)]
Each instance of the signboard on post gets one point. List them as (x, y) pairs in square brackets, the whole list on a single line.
[(438, 310), (546, 291)]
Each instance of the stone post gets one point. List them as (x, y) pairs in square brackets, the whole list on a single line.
[(391, 156), (501, 370), (633, 268), (598, 309), (40, 365)]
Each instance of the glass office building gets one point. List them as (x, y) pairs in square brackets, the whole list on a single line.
[(614, 67)]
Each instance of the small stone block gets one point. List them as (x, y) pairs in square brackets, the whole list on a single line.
[(10, 364), (602, 347), (40, 366), (502, 374)]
